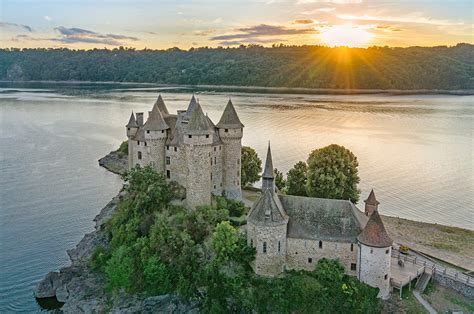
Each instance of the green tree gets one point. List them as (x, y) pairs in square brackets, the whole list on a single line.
[(279, 180), (332, 173), (119, 269), (225, 241), (296, 179), (251, 166), (157, 276)]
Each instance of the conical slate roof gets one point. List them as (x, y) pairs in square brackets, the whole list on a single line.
[(371, 200), (198, 122), (374, 233), (161, 105), (230, 119), (155, 121), (132, 123), (192, 107), (268, 210), (268, 170)]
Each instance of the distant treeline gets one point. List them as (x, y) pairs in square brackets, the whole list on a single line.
[(280, 66)]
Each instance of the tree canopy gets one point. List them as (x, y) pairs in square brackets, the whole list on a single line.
[(280, 66), (251, 166), (296, 179)]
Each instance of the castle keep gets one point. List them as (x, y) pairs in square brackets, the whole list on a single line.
[(294, 232), (189, 149)]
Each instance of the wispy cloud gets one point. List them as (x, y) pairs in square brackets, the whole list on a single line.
[(14, 25), (79, 35), (414, 18), (205, 32), (329, 1), (303, 21), (48, 18)]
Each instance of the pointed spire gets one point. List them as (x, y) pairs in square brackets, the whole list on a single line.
[(268, 170), (160, 103), (374, 233), (371, 200), (198, 123), (155, 121), (132, 123), (192, 107), (230, 119)]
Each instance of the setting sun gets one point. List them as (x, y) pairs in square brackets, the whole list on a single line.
[(345, 35)]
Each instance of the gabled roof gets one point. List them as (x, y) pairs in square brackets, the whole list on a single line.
[(268, 210), (268, 170), (132, 123), (198, 122), (374, 233), (161, 105), (155, 121), (371, 200), (229, 119), (193, 104)]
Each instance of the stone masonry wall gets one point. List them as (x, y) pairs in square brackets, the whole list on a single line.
[(460, 287), (374, 268), (304, 254), (216, 168), (232, 166), (156, 147), (178, 166)]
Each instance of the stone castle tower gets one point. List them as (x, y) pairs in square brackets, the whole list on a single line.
[(190, 149), (294, 232)]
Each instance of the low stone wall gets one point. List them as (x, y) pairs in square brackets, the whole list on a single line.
[(458, 286)]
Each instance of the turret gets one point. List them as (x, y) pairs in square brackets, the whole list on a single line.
[(267, 225), (374, 256), (161, 106), (268, 178), (371, 203), (197, 142), (140, 119), (156, 131), (132, 128), (231, 131)]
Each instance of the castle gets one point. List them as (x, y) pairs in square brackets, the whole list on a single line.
[(294, 232), (189, 149), (288, 232)]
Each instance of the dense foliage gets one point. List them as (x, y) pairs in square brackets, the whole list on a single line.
[(156, 248), (296, 179), (332, 173), (280, 181), (251, 166), (281, 66)]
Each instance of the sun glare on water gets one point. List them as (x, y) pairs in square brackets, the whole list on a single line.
[(345, 35)]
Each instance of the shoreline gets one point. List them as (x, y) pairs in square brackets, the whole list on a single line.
[(268, 89)]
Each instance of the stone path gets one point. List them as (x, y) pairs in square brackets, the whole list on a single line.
[(423, 302)]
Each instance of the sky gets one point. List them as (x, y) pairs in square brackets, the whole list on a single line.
[(164, 24)]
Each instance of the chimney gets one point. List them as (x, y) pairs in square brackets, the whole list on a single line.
[(140, 118)]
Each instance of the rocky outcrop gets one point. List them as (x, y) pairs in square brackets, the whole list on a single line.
[(116, 162)]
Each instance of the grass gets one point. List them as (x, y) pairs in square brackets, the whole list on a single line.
[(123, 149), (445, 300)]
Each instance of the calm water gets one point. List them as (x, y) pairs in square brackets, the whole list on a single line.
[(415, 151)]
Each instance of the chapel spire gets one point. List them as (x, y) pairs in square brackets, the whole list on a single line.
[(268, 176)]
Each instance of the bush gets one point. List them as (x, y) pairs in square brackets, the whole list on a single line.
[(99, 258), (123, 149)]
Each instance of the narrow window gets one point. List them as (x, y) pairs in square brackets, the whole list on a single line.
[(386, 276), (352, 247), (168, 174), (386, 251), (162, 131), (371, 250), (353, 266), (207, 135), (226, 130), (211, 175), (145, 144), (147, 131), (190, 136), (128, 129), (176, 149), (167, 147), (138, 142), (264, 247), (168, 160), (310, 260), (279, 246), (215, 160), (211, 161), (251, 242), (139, 155), (214, 186), (320, 244)]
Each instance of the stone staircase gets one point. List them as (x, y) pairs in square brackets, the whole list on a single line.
[(423, 282)]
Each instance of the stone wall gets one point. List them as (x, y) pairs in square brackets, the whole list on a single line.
[(156, 148), (304, 254), (374, 268), (178, 167), (271, 262), (460, 287), (216, 168), (232, 139)]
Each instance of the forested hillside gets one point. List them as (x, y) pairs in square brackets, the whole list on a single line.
[(282, 66)]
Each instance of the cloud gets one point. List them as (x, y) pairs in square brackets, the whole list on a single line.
[(250, 41), (47, 18), (258, 33), (415, 18), (387, 28), (79, 35), (14, 25), (329, 1), (205, 32), (318, 11), (303, 22)]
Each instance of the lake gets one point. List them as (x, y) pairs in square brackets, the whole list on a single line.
[(415, 151)]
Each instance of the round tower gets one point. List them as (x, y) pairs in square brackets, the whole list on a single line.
[(231, 131), (374, 256), (156, 133), (267, 225), (198, 141), (132, 128)]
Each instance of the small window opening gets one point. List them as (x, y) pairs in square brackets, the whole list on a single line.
[(162, 131), (190, 136), (128, 129), (168, 174), (147, 131), (279, 246), (226, 130), (139, 155), (215, 160), (264, 247), (138, 142), (371, 250), (310, 260), (168, 160), (215, 148), (352, 247), (387, 251), (353, 266), (320, 244), (207, 135), (386, 276), (145, 144), (176, 149), (251, 242), (167, 147)]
